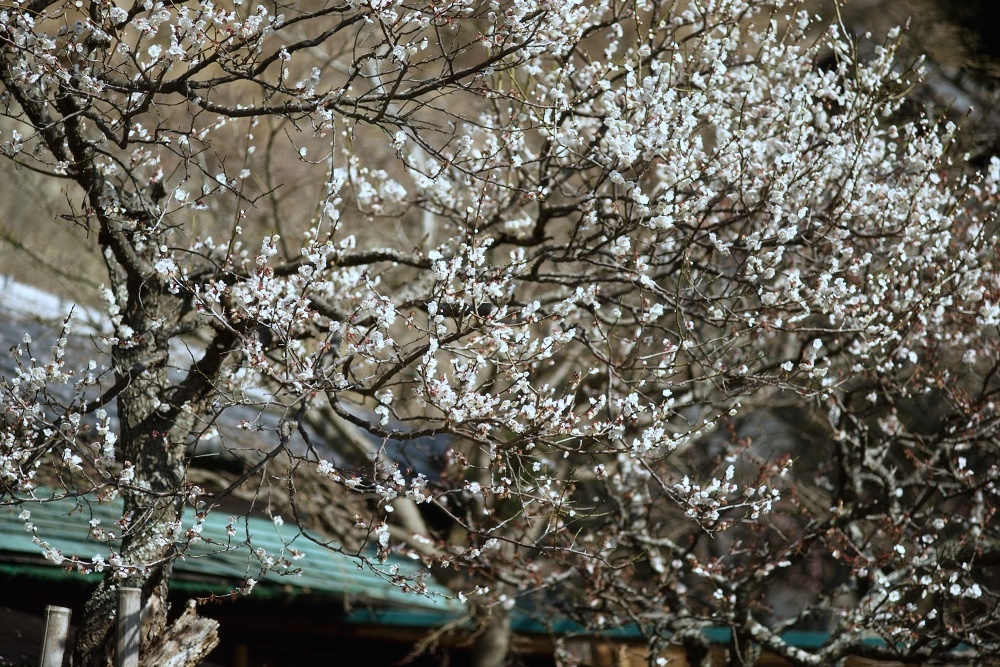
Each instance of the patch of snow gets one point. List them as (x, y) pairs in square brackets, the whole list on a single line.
[(28, 303)]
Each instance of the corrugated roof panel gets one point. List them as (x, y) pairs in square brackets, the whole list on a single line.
[(217, 558)]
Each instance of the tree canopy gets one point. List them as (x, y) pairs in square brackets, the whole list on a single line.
[(639, 311)]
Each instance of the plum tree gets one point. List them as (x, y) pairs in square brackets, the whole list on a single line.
[(541, 265)]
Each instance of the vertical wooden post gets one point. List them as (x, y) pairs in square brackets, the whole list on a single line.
[(56, 629), (127, 631)]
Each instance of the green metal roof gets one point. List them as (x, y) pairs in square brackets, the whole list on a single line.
[(219, 563), (321, 573)]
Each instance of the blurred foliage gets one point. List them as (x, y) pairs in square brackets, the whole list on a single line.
[(980, 22)]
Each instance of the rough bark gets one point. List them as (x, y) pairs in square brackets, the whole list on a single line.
[(185, 643), (154, 428), (152, 441)]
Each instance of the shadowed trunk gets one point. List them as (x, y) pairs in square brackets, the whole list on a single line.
[(493, 641)]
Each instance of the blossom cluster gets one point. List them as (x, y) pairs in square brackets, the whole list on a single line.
[(536, 270)]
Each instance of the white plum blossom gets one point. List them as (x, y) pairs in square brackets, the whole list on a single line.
[(637, 313)]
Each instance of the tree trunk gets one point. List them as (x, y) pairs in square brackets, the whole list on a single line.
[(492, 644), (152, 442), (186, 643)]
